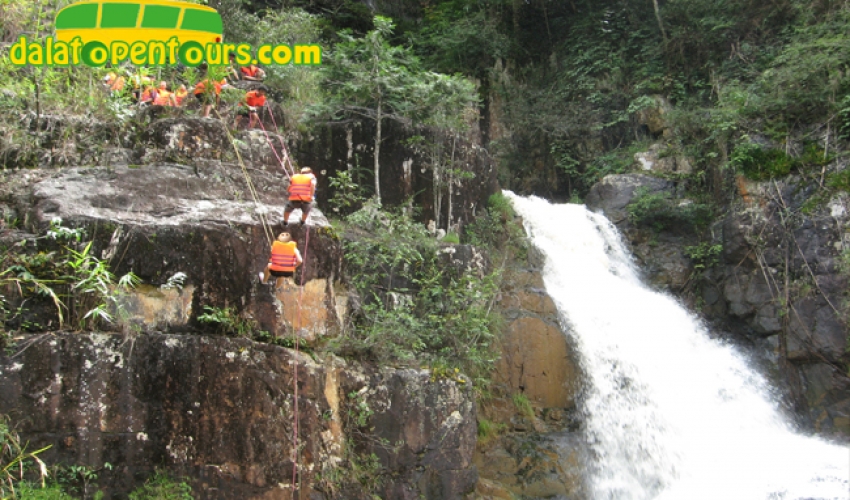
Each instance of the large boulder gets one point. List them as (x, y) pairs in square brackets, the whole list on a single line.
[(207, 223), (613, 193), (658, 159), (654, 117)]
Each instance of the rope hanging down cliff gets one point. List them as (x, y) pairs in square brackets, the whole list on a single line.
[(295, 440), (269, 236), (260, 212)]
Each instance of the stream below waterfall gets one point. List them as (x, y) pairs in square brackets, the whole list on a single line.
[(670, 413)]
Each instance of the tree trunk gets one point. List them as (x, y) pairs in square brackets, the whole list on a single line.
[(436, 165), (378, 152), (660, 24), (451, 182), (349, 141)]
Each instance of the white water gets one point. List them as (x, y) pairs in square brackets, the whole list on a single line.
[(670, 413)]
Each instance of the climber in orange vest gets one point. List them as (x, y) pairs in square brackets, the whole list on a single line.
[(140, 83), (285, 258), (253, 100), (302, 187), (164, 97), (208, 96), (180, 94), (252, 73), (148, 96), (114, 82)]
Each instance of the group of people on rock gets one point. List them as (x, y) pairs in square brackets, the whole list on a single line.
[(145, 93), (285, 257)]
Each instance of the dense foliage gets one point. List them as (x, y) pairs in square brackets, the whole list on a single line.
[(415, 305)]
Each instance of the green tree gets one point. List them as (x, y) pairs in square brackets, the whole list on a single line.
[(371, 78)]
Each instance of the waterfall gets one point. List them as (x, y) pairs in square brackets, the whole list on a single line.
[(670, 413)]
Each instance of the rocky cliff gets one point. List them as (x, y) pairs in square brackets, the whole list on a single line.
[(771, 275), (222, 412), (158, 390), (531, 445)]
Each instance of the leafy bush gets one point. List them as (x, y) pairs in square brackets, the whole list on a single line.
[(661, 212), (16, 462), (758, 163), (839, 180), (489, 430), (347, 194), (414, 310), (80, 285), (30, 491), (228, 321), (451, 238), (79, 480), (523, 405), (704, 255), (162, 487), (495, 227)]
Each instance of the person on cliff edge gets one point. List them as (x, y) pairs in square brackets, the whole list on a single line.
[(302, 188), (284, 259)]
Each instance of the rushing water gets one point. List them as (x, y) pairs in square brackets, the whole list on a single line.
[(670, 413)]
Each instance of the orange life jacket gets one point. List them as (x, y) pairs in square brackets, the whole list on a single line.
[(251, 71), (180, 95), (254, 99), (283, 256), (201, 87), (163, 98), (301, 187), (118, 84), (147, 95)]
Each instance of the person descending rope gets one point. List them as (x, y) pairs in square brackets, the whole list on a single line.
[(285, 258), (209, 94), (302, 187)]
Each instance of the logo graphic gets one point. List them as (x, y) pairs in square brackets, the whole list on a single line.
[(148, 32), (138, 21)]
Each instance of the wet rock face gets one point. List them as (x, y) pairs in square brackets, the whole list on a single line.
[(220, 411), (213, 408), (538, 451), (429, 430)]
